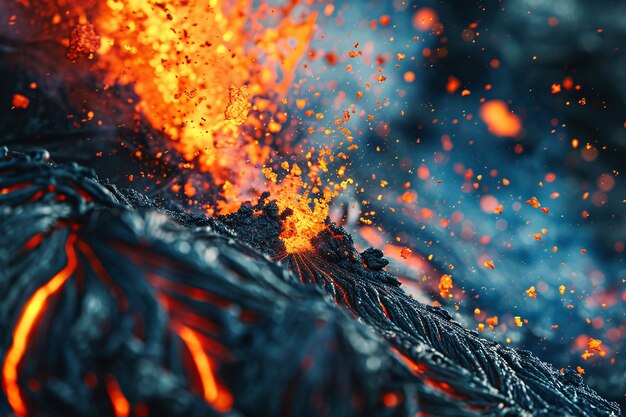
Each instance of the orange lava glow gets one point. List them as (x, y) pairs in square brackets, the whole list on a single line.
[(209, 74), (214, 394), (213, 76), (499, 119), (293, 193), (121, 408), (414, 367), (21, 333)]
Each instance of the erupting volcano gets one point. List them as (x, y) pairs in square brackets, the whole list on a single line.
[(187, 191)]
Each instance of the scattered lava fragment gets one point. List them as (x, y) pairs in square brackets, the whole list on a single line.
[(83, 42), (445, 285), (20, 101), (593, 346), (499, 120), (238, 104), (533, 202)]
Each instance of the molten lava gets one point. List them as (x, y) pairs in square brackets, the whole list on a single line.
[(27, 321), (210, 75)]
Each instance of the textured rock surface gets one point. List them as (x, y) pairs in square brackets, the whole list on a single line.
[(326, 336)]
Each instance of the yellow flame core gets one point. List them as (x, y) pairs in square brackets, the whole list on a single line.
[(305, 223)]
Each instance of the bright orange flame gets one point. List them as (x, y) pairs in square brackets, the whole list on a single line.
[(499, 119), (215, 395), (21, 333), (213, 76), (293, 193), (425, 19), (209, 74)]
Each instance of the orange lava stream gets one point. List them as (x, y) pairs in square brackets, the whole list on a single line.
[(121, 408), (21, 333), (220, 399)]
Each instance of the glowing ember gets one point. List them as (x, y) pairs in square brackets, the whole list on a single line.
[(20, 102), (593, 346), (445, 285), (499, 120), (492, 322), (533, 202)]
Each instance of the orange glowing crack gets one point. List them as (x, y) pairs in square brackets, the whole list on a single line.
[(322, 269), (382, 307), (101, 272), (121, 408), (414, 367), (220, 399), (33, 308)]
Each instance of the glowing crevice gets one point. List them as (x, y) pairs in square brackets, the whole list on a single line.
[(22, 331)]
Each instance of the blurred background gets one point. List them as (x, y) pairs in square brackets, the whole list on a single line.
[(485, 105)]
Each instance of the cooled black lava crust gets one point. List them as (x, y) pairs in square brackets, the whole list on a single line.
[(324, 333)]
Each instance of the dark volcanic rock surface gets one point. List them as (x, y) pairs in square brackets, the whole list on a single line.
[(332, 334)]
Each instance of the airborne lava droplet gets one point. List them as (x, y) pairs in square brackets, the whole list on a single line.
[(445, 285), (238, 104), (499, 119), (83, 41)]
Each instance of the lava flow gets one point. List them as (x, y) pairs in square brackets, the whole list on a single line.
[(22, 332)]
